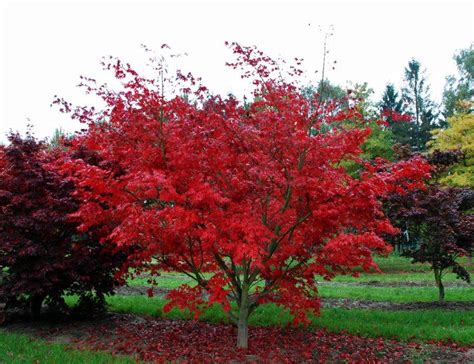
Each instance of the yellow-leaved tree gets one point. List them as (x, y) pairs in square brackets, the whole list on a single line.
[(459, 135)]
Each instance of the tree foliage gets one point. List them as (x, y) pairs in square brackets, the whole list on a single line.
[(379, 143), (459, 91), (41, 254), (255, 196), (459, 135), (325, 91), (391, 101), (415, 95), (392, 106)]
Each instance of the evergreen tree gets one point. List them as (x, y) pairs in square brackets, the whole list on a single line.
[(391, 101), (416, 96)]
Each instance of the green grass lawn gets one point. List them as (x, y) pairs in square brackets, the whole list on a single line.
[(396, 294), (435, 324), (395, 263), (403, 325), (16, 349)]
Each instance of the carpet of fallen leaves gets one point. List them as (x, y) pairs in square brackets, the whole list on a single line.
[(161, 340)]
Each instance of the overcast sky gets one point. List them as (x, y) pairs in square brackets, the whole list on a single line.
[(46, 46)]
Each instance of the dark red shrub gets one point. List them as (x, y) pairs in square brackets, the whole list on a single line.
[(42, 256), (437, 221)]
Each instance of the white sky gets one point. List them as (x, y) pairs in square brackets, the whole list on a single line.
[(45, 46)]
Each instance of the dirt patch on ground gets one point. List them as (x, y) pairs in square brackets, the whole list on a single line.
[(384, 305), (57, 329), (140, 290), (396, 284), (161, 340)]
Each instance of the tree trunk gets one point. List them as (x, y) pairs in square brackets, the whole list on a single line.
[(36, 303), (243, 321), (439, 283), (417, 107)]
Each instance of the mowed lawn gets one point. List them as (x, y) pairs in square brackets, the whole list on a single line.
[(22, 349)]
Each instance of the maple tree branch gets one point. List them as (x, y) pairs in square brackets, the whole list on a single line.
[(301, 159), (271, 285), (235, 270), (290, 231), (229, 274), (197, 274)]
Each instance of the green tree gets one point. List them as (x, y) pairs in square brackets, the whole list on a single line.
[(459, 91), (391, 100), (381, 140), (363, 93), (415, 95), (401, 131), (325, 90), (379, 143), (58, 136)]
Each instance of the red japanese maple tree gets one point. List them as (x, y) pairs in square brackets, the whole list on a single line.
[(250, 201)]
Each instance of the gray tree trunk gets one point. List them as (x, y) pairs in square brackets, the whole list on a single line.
[(36, 303), (243, 320), (439, 283)]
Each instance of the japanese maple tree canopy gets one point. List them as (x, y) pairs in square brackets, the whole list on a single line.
[(254, 193)]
